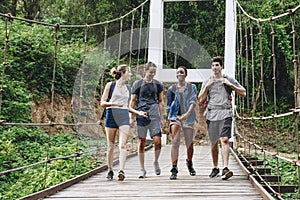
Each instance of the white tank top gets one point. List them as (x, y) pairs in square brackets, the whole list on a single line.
[(120, 96)]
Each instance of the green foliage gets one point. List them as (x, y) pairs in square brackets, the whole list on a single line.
[(23, 146), (209, 31), (16, 102), (283, 51), (287, 171), (29, 74), (279, 134), (31, 59)]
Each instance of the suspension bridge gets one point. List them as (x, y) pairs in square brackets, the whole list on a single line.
[(256, 157), (161, 187)]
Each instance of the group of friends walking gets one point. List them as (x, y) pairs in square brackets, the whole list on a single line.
[(144, 101)]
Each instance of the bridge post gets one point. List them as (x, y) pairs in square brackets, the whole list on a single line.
[(230, 46), (230, 38), (156, 32)]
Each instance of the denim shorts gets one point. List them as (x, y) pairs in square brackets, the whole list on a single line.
[(116, 117), (217, 129)]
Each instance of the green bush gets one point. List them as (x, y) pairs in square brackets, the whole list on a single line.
[(21, 146)]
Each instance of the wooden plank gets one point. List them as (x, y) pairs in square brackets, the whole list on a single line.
[(161, 187), (256, 162), (251, 158), (253, 162), (261, 170), (282, 188), (252, 180), (268, 178)]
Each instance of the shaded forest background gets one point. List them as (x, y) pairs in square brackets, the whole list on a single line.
[(31, 47), (27, 74)]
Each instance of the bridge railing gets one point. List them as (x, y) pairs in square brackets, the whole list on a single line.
[(268, 147)]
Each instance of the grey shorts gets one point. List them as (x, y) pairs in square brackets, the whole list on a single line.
[(153, 125), (217, 129)]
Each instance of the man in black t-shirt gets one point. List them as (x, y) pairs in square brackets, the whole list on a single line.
[(147, 95)]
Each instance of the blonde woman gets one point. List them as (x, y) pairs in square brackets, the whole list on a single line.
[(115, 99)]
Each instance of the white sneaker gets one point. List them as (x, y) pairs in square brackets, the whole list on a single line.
[(156, 168), (142, 173)]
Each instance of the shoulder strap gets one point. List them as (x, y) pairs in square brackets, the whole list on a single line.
[(129, 89), (111, 90), (155, 89), (227, 88), (139, 85), (173, 89), (190, 89)]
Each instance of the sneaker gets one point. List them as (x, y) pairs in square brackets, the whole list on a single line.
[(142, 173), (174, 172), (156, 168), (121, 175), (189, 165), (109, 175), (226, 174), (214, 172)]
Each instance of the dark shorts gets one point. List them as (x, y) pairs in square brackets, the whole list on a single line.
[(152, 125), (116, 117), (217, 129)]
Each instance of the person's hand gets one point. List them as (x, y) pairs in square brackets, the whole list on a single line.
[(210, 82), (162, 120), (142, 114), (168, 123), (184, 116), (226, 82)]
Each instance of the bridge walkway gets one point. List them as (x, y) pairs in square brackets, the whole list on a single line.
[(161, 187)]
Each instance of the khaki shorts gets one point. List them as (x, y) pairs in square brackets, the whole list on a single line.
[(182, 124)]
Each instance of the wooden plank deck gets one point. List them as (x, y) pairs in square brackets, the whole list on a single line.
[(161, 187)]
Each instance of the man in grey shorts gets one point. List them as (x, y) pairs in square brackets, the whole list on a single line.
[(216, 93), (147, 94)]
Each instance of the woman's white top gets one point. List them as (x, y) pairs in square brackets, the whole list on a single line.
[(120, 95)]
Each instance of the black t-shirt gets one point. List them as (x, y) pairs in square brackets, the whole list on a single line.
[(147, 93)]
